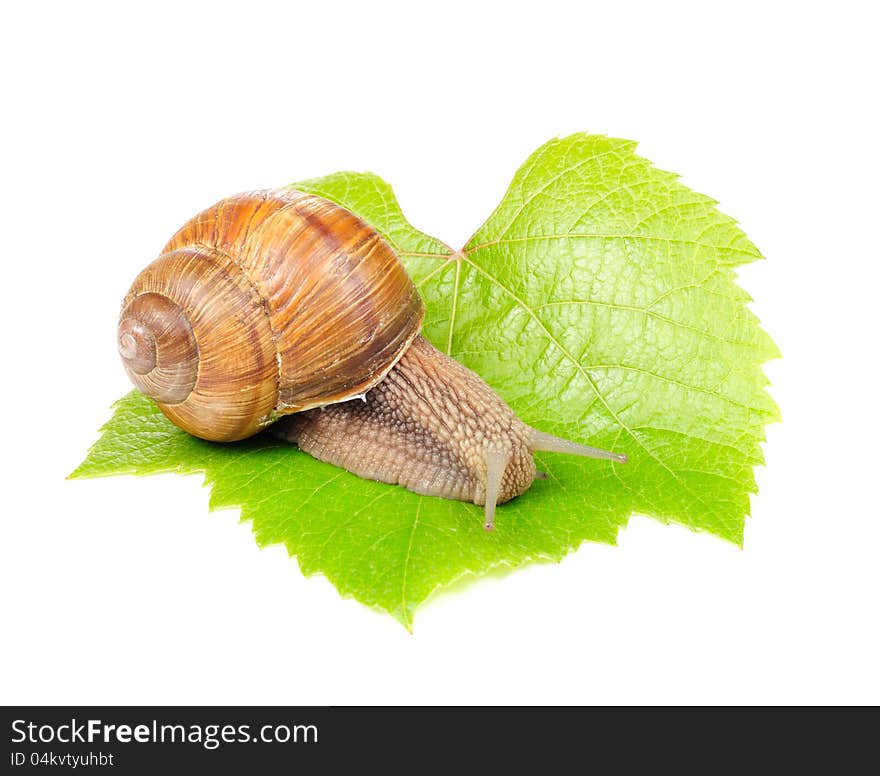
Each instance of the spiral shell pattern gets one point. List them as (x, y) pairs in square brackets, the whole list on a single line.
[(267, 303)]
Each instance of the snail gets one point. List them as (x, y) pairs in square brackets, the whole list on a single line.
[(280, 307)]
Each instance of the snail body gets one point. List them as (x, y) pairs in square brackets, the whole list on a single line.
[(407, 432), (283, 305)]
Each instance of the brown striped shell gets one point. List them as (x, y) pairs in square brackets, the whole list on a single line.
[(265, 304)]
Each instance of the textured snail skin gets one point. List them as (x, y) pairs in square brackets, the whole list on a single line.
[(278, 303), (427, 426)]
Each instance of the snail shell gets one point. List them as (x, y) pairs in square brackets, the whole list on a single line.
[(267, 303)]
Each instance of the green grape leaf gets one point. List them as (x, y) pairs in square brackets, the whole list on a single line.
[(600, 301)]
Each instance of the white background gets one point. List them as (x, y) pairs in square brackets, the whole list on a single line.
[(119, 124)]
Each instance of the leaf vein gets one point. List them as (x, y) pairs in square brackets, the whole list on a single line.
[(592, 384)]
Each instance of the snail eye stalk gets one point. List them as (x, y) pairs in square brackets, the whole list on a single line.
[(541, 442)]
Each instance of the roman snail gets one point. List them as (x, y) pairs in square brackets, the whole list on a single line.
[(283, 305)]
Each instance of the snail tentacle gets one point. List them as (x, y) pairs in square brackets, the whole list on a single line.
[(496, 463), (540, 441)]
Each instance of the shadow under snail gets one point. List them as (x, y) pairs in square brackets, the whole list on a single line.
[(283, 305)]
